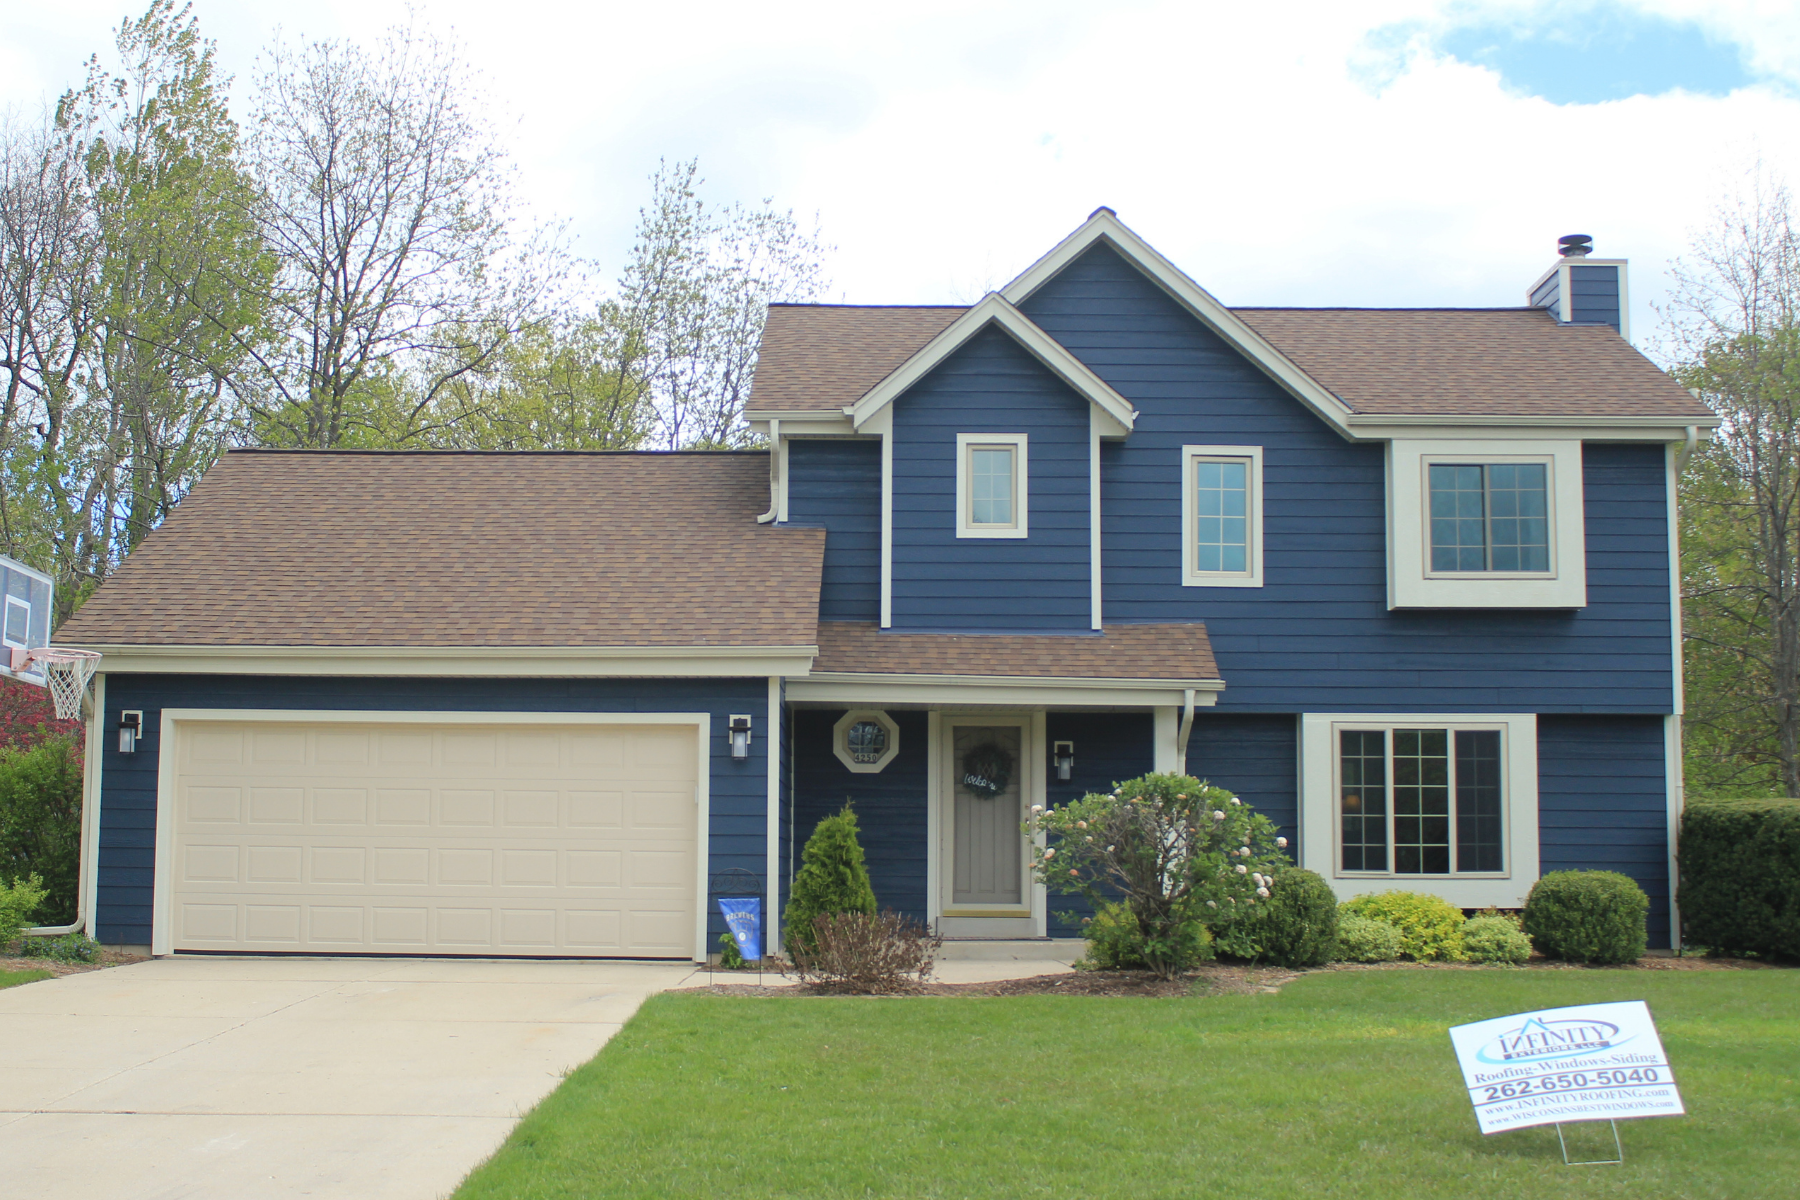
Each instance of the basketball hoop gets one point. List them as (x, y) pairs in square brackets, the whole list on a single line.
[(66, 673)]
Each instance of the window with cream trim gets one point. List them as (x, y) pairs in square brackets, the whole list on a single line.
[(1486, 524), (1443, 802), (1221, 516), (991, 491)]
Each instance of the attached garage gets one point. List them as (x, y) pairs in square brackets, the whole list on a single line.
[(385, 833)]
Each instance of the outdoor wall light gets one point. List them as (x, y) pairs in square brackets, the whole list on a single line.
[(740, 735), (131, 727), (1065, 760)]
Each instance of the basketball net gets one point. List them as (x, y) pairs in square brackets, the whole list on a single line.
[(66, 673)]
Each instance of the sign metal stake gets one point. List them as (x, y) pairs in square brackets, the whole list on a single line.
[(1618, 1147)]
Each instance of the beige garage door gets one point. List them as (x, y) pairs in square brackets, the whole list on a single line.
[(435, 839)]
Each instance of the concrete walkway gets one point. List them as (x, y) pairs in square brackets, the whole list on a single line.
[(221, 1079)]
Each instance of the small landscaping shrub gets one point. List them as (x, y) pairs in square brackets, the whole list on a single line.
[(1177, 852), (1300, 924), (1115, 943), (1587, 916), (832, 879), (730, 957), (1365, 939), (1495, 939), (1740, 876), (74, 947), (40, 822), (17, 903), (1430, 926), (864, 954)]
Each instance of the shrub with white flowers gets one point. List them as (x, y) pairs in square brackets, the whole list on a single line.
[(1181, 854)]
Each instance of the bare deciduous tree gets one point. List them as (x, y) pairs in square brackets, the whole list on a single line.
[(386, 201)]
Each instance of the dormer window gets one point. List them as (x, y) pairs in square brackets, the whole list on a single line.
[(1486, 524), (990, 485)]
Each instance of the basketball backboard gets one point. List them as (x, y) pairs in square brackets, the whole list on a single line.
[(25, 596)]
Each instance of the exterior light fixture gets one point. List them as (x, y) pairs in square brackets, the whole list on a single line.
[(1065, 760), (131, 727), (740, 735)]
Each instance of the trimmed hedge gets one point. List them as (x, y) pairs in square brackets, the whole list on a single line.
[(1740, 876), (1430, 926), (1364, 939), (1587, 916)]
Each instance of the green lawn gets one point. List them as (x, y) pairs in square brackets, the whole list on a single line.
[(13, 978), (1342, 1085)]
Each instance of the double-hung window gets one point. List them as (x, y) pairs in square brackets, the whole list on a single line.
[(991, 485), (1490, 517), (1449, 800), (1222, 516)]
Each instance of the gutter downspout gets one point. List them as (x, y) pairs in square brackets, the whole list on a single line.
[(1687, 448), (1187, 727), (774, 472)]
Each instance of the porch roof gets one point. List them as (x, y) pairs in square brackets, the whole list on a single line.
[(1177, 653)]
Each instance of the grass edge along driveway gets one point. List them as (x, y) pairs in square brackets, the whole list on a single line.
[(15, 978), (1341, 1085)]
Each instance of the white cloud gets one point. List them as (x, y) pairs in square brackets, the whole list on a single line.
[(947, 145)]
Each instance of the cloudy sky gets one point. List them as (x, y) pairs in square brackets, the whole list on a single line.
[(1360, 152)]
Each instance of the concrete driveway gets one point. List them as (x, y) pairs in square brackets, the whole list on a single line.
[(204, 1078)]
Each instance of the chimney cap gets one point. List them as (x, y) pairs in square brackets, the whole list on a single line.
[(1575, 245)]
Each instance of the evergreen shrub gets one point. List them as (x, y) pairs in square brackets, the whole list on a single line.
[(1367, 940), (1430, 926), (1587, 916), (1116, 943), (1492, 938), (1740, 876), (832, 879), (1299, 926)]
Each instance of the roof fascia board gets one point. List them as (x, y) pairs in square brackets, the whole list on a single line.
[(801, 424), (995, 310), (1105, 226), (1376, 428), (463, 661), (971, 690)]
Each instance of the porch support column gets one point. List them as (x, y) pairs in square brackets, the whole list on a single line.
[(1168, 728)]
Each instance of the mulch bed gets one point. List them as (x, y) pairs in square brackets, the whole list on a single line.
[(1211, 979), (108, 958)]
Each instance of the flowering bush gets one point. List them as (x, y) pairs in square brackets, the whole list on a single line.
[(1177, 852), (1115, 943)]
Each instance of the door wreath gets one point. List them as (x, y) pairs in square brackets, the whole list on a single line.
[(986, 770)]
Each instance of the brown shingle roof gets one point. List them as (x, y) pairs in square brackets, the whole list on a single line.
[(1471, 362), (1148, 652), (1457, 362), (819, 357), (308, 548)]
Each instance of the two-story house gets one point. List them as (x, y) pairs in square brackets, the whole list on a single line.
[(1403, 579)]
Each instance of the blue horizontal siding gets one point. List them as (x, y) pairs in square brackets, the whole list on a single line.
[(1109, 749), (940, 581), (891, 804), (1318, 636), (737, 836), (1603, 803), (1594, 295), (837, 484)]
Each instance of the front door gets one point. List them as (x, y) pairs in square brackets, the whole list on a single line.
[(987, 868)]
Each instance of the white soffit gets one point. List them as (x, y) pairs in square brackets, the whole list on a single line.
[(1105, 225), (995, 309)]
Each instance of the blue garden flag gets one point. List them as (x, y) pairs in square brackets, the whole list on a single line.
[(744, 918)]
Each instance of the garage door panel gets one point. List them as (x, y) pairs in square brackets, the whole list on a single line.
[(410, 839)]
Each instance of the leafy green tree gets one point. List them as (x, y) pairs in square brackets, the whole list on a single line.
[(40, 823), (832, 879), (1736, 315)]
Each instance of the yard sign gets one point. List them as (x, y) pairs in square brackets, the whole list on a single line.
[(1588, 1062)]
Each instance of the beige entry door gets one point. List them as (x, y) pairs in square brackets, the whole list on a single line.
[(988, 764), (435, 838)]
